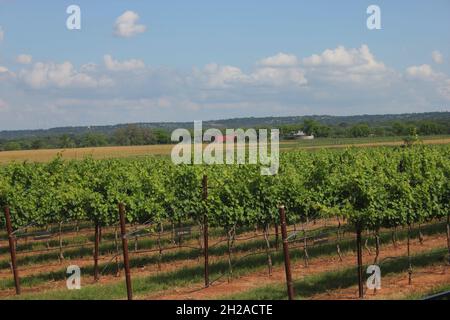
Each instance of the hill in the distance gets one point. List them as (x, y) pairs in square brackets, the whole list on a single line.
[(231, 123)]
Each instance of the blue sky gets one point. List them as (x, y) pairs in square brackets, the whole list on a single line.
[(186, 60)]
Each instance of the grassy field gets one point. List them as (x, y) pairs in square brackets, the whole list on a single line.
[(369, 141), (45, 155)]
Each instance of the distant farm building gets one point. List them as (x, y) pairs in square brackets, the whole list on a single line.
[(302, 136)]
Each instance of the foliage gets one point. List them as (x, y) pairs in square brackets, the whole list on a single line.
[(372, 188)]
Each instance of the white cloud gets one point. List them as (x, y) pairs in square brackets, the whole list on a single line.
[(360, 58), (279, 76), (338, 57), (126, 25), (214, 75), (2, 34), (423, 71), (276, 71), (336, 81), (279, 60), (217, 76), (437, 57), (117, 103), (341, 65), (126, 65), (439, 81), (62, 75), (24, 59)]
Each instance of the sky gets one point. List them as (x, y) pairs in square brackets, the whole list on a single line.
[(146, 61)]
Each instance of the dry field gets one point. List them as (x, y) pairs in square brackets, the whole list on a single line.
[(45, 155)]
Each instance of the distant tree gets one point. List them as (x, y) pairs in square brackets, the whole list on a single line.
[(399, 128), (94, 140), (412, 138), (310, 126), (429, 128), (12, 145), (322, 131), (379, 132), (148, 137), (38, 144), (133, 135), (360, 130), (65, 141), (161, 136)]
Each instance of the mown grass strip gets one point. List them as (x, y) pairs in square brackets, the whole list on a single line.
[(88, 239), (181, 277), (316, 284), (108, 248), (246, 247), (435, 290)]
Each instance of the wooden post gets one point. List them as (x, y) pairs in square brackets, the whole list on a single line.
[(96, 251), (448, 236), (126, 261), (61, 255), (277, 237), (287, 261), (205, 230), (359, 260), (12, 249), (410, 270)]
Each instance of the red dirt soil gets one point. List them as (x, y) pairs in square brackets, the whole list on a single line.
[(317, 265), (396, 286)]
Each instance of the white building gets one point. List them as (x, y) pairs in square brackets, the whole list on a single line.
[(303, 136)]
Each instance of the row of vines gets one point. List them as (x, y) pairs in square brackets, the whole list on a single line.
[(368, 188)]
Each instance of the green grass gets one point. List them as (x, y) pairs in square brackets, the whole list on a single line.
[(185, 276), (193, 276), (435, 290), (316, 284), (220, 250), (106, 237), (135, 262), (109, 248), (318, 142)]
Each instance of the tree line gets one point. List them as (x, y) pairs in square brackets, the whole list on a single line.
[(363, 129), (126, 136), (136, 135)]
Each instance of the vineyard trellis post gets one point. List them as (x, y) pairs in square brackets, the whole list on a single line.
[(287, 261), (410, 269), (96, 250), (448, 237), (277, 236), (359, 258), (12, 249), (126, 261), (205, 229)]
